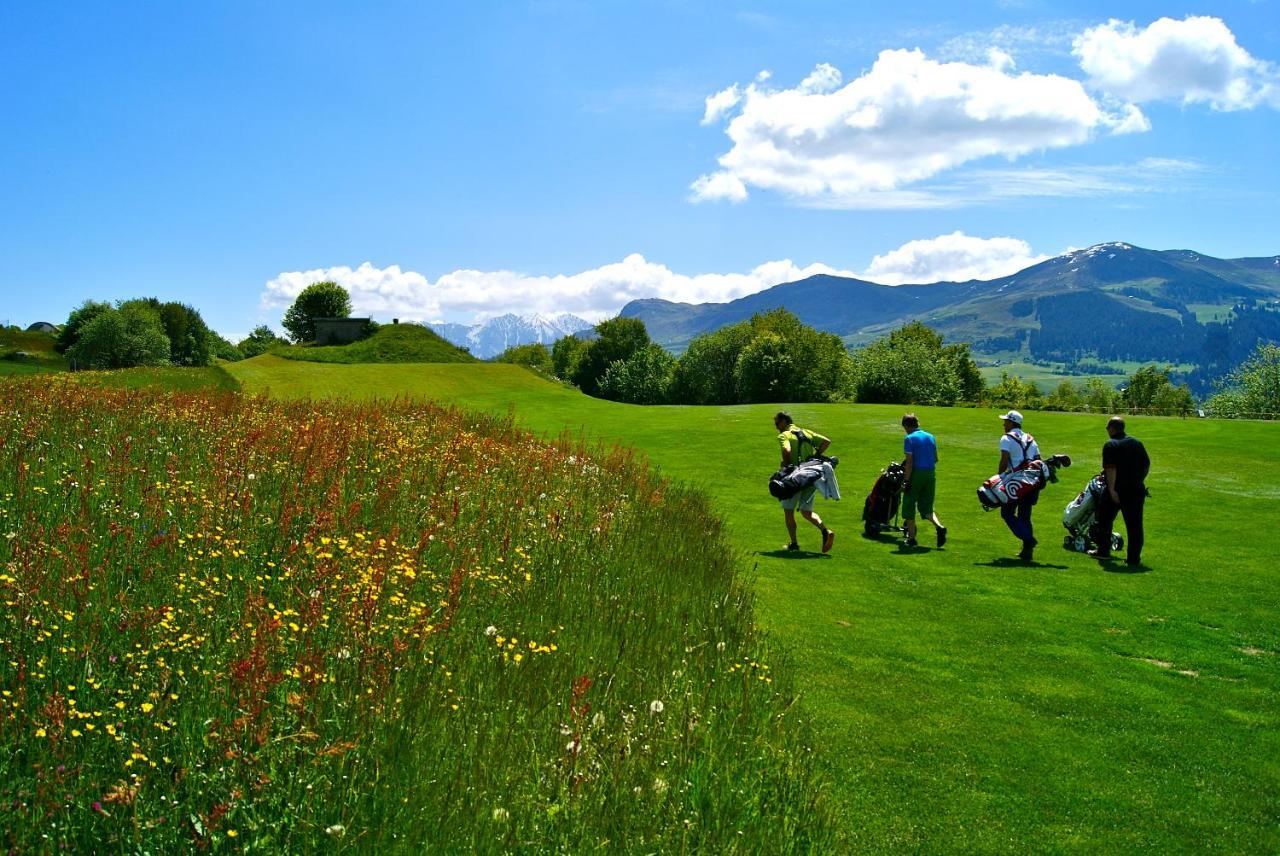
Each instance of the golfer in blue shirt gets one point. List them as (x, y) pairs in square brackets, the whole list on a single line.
[(919, 465)]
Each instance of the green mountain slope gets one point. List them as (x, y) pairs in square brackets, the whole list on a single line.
[(1173, 306)]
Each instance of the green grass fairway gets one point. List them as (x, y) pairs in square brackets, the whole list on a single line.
[(968, 701)]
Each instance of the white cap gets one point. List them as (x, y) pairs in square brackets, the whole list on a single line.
[(1012, 416)]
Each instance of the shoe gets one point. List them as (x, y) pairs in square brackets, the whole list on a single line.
[(828, 539), (792, 547), (910, 542), (1100, 555), (1134, 564), (1028, 550), (942, 536)]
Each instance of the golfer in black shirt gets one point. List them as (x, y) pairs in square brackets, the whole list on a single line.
[(1125, 466)]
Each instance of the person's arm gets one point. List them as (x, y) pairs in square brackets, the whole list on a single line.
[(908, 466), (1109, 473), (786, 452), (1109, 470), (823, 443), (1004, 460)]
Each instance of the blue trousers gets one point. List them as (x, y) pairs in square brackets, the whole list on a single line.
[(1017, 515)]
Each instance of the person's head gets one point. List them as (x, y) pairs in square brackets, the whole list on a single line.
[(782, 420), (1012, 419), (1115, 426), (910, 422)]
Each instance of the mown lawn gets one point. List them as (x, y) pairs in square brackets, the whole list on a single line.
[(968, 701)]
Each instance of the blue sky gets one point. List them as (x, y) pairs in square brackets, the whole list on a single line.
[(484, 157)]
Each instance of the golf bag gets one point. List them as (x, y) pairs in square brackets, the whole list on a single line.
[(1020, 484), (1080, 519), (789, 481), (880, 511)]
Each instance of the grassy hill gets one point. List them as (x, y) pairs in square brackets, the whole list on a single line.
[(23, 353), (392, 343), (967, 701)]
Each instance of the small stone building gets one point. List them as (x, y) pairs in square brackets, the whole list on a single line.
[(339, 331)]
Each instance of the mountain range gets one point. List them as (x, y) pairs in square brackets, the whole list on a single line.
[(505, 331), (1112, 302)]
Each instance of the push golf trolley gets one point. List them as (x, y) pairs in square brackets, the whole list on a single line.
[(880, 511), (1081, 516)]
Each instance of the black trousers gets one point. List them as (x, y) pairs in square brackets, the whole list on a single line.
[(1131, 507)]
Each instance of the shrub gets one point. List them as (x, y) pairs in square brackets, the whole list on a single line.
[(261, 340), (642, 378), (1253, 390), (121, 338), (534, 356)]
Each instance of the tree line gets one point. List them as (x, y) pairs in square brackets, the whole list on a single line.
[(773, 357), (148, 332)]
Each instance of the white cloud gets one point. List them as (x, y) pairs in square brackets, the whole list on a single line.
[(906, 120), (719, 185), (721, 103), (472, 294), (1194, 60), (956, 257)]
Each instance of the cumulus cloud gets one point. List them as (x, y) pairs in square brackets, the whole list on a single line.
[(721, 103), (906, 119), (472, 294), (1193, 60), (956, 257)]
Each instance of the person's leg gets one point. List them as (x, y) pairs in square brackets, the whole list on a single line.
[(1100, 532), (1009, 514), (806, 509), (1024, 514), (1132, 508), (789, 515), (909, 513)]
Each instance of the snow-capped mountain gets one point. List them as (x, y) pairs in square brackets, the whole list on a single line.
[(505, 331)]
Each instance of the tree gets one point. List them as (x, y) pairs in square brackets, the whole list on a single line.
[(190, 339), (763, 370), (534, 356), (912, 366), (121, 338), (1151, 390), (705, 373), (318, 300), (566, 354), (772, 356), (261, 340), (616, 339), (1014, 392), (1065, 397), (642, 378), (1098, 396), (223, 349), (1252, 391), (79, 317)]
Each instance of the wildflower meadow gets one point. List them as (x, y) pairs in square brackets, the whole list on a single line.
[(233, 623)]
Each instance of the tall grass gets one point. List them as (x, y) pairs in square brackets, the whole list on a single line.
[(235, 622)]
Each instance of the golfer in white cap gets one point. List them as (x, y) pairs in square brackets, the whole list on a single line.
[(1017, 449)]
